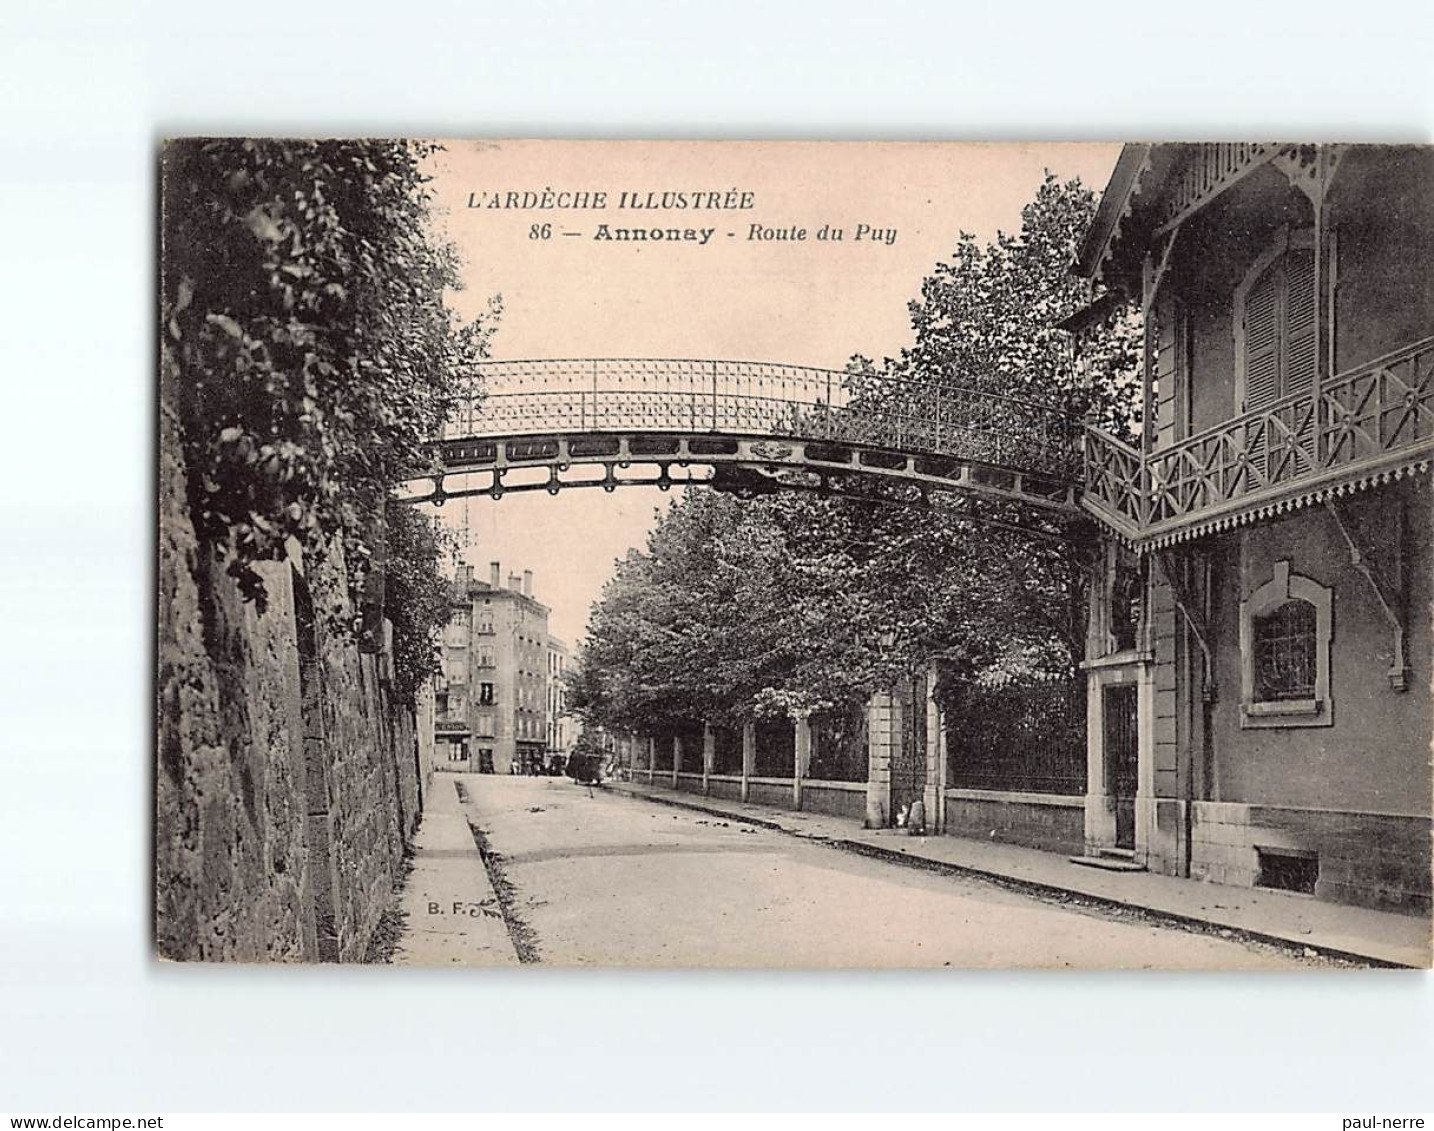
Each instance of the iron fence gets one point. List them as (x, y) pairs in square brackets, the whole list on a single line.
[(726, 750), (775, 756), (1026, 735), (839, 747)]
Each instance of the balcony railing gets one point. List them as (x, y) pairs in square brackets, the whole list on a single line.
[(1379, 413), (1114, 481)]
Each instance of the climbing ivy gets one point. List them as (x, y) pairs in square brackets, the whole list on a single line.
[(302, 301)]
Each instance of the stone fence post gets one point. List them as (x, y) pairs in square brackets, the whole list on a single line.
[(709, 756), (749, 756), (883, 728), (935, 792), (802, 759)]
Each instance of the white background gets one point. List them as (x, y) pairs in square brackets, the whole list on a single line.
[(88, 1021)]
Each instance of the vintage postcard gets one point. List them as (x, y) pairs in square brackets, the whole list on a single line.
[(795, 554)]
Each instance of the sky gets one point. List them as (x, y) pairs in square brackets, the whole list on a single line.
[(726, 292)]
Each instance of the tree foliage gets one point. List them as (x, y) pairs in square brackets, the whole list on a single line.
[(799, 603), (418, 597), (302, 301)]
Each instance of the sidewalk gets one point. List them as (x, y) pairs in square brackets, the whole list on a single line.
[(1380, 937), (451, 912)]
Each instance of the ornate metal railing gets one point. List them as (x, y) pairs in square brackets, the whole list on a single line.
[(1379, 412), (568, 396)]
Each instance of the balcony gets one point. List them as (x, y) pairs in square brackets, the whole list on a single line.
[(1365, 424)]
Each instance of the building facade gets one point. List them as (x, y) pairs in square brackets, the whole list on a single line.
[(563, 728), (1259, 653), (492, 697)]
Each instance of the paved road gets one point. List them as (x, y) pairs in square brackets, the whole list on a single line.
[(606, 879)]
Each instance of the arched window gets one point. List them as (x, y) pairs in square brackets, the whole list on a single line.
[(1285, 631), (1277, 323)]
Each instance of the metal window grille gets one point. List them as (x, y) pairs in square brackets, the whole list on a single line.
[(1285, 644)]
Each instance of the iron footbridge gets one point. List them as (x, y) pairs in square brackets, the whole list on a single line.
[(749, 427)]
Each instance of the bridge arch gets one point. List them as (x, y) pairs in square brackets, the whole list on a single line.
[(749, 427)]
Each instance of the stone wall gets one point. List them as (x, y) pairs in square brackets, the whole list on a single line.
[(727, 788), (777, 793), (286, 788), (838, 799), (1053, 822), (1373, 859)]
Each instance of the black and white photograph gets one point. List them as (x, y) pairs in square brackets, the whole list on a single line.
[(794, 554), (857, 562)]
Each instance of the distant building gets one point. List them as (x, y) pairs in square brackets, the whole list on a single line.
[(563, 729), (492, 698)]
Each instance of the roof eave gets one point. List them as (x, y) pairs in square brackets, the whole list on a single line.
[(1124, 180)]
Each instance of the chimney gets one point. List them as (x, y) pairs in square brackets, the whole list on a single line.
[(463, 575), (495, 576), (515, 583), (527, 583)]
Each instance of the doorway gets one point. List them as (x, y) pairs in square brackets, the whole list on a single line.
[(1120, 707)]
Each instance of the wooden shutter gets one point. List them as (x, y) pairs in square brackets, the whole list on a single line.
[(1301, 349), (1262, 339), (1301, 323)]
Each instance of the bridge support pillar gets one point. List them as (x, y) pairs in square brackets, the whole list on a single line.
[(709, 757), (883, 730), (676, 759), (749, 756), (802, 760)]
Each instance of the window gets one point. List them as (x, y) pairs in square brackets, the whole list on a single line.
[(485, 694), (1285, 631), (1276, 323), (1287, 869), (1127, 603), (483, 726), (1285, 652)]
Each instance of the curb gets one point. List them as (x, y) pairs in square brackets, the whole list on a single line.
[(1036, 887)]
